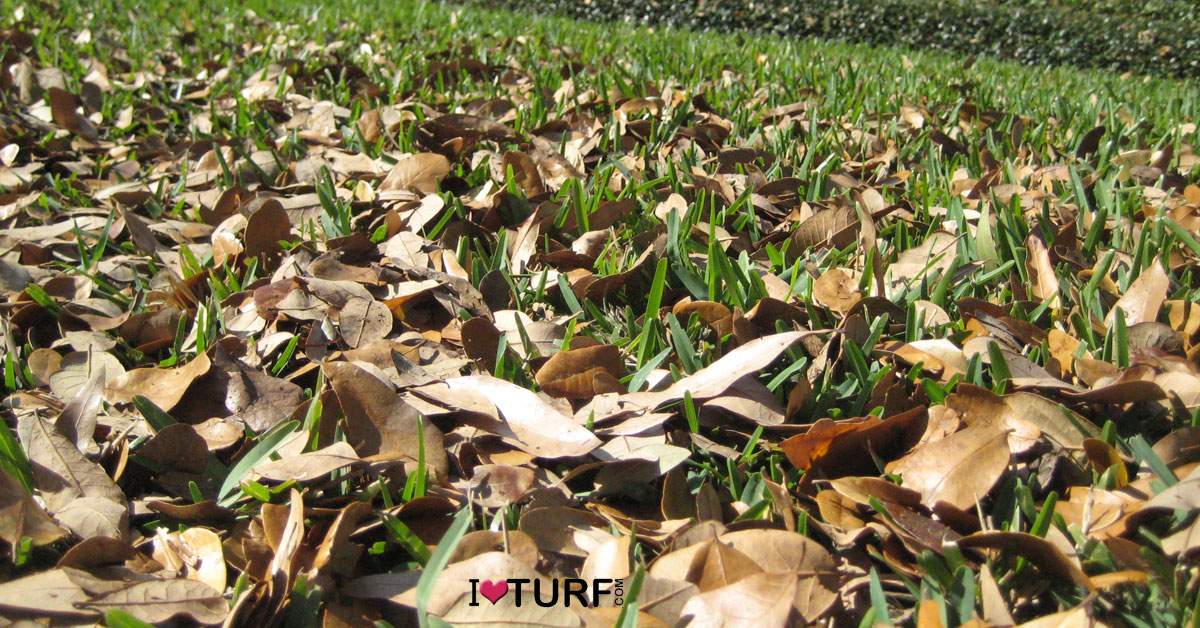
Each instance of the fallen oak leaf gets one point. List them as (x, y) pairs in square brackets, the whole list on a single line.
[(49, 593), (206, 511), (77, 421), (1144, 297), (247, 395), (665, 599), (542, 429), (582, 373), (379, 424), (75, 489), (959, 469), (497, 486), (716, 378), (772, 551), (836, 226), (762, 599), (715, 564), (1024, 414), (836, 290), (1045, 282), (265, 228), (639, 466), (1038, 550), (97, 551), (839, 448), (90, 516), (157, 601), (746, 399), (481, 339), (363, 321), (420, 173), (308, 466), (22, 517), (609, 560), (196, 552), (560, 529), (77, 369), (336, 554), (164, 387)]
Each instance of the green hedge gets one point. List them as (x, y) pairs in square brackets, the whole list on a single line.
[(1152, 37)]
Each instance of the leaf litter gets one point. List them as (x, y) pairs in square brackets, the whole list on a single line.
[(310, 332)]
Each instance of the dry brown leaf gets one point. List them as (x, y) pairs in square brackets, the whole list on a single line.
[(420, 173), (717, 377), (560, 529), (838, 448), (1025, 415), (861, 490), (77, 369), (379, 424), (77, 491), (164, 387), (308, 466), (1184, 316), (1184, 542), (245, 395), (995, 607), (52, 593), (336, 554), (265, 228), (197, 552), (21, 516), (611, 559), (959, 469), (512, 542), (1183, 495), (1144, 297), (534, 423), (836, 227), (77, 421), (1079, 617), (836, 290), (763, 599), (97, 551), (497, 486), (713, 565), (582, 373), (1039, 551), (156, 601), (363, 321), (929, 614), (1041, 271)]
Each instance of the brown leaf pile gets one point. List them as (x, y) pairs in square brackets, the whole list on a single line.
[(247, 363)]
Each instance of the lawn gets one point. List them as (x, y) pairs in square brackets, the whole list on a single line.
[(411, 313)]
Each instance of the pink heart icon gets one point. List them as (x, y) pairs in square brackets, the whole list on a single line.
[(493, 590)]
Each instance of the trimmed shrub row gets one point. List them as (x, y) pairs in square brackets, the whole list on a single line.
[(1152, 37)]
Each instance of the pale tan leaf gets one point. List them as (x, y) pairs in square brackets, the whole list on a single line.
[(1144, 297), (540, 427), (76, 490), (164, 387), (52, 593), (363, 321), (379, 424), (419, 173), (160, 600), (582, 373), (308, 466), (959, 469), (21, 516)]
